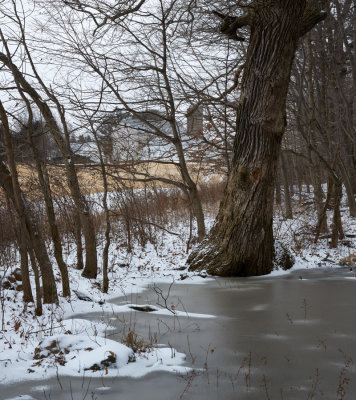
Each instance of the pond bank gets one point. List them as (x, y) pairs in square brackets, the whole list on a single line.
[(281, 337)]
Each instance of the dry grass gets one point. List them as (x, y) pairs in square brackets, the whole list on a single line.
[(90, 178)]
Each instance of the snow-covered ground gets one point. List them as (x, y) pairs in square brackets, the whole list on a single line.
[(62, 343)]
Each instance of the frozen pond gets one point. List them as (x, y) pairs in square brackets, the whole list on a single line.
[(286, 337)]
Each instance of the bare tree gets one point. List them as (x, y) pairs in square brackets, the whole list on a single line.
[(10, 183), (61, 136)]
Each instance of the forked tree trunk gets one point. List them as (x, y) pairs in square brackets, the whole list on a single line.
[(241, 242)]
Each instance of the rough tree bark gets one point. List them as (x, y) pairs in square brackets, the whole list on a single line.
[(241, 241), (10, 183)]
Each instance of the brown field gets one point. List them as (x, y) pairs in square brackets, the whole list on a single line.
[(118, 177)]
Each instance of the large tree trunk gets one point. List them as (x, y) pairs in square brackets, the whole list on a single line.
[(241, 242)]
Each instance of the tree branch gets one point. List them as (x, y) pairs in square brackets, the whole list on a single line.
[(311, 17), (230, 25), (85, 8), (237, 74)]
